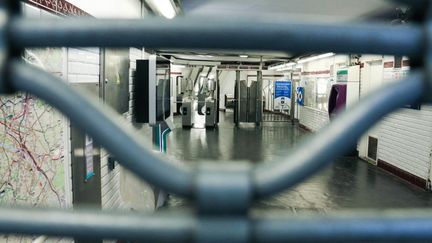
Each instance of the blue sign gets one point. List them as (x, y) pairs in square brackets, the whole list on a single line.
[(282, 89), (282, 95), (300, 95)]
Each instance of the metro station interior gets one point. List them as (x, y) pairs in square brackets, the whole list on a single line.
[(215, 121)]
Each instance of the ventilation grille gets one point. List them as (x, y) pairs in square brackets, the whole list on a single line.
[(372, 148)]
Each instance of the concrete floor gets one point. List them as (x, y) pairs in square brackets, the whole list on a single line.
[(348, 183)]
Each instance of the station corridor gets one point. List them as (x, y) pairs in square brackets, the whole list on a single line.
[(197, 120), (347, 183)]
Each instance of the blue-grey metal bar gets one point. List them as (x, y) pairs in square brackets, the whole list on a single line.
[(105, 126), (340, 135), (414, 3), (369, 225), (97, 225), (346, 226), (204, 33)]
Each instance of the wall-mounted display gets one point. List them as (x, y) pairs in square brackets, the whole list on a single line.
[(282, 95)]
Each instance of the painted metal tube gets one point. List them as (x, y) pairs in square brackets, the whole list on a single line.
[(105, 126), (346, 226), (341, 226), (340, 135), (199, 33), (94, 224)]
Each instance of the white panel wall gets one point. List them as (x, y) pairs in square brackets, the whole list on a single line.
[(227, 83), (405, 136), (112, 180), (83, 65), (313, 119), (110, 184), (371, 78), (405, 140)]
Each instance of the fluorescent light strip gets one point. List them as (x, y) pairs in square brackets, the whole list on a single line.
[(283, 67), (165, 8), (177, 66), (276, 67), (206, 56), (309, 59)]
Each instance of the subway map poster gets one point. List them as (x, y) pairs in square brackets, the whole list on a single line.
[(32, 151)]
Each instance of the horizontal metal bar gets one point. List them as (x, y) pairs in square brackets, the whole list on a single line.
[(346, 226), (106, 126), (204, 33), (414, 3), (390, 225), (95, 224), (339, 136)]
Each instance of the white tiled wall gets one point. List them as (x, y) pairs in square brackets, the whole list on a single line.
[(405, 136), (110, 184), (110, 180), (83, 65), (313, 119), (405, 140)]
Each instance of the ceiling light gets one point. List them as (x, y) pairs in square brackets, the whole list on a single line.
[(285, 68), (313, 58), (282, 66), (207, 56), (244, 56), (276, 67), (164, 7)]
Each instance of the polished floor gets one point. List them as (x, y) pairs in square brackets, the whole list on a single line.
[(347, 183)]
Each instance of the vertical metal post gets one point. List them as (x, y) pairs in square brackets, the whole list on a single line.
[(293, 98), (237, 98), (258, 103), (8, 10), (217, 95), (152, 90), (3, 47)]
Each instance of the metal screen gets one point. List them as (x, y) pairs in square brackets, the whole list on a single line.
[(222, 193)]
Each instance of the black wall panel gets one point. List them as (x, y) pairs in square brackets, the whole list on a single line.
[(141, 92)]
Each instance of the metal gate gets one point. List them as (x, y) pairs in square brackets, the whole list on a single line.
[(222, 193), (271, 116)]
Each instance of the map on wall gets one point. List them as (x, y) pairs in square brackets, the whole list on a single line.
[(32, 150)]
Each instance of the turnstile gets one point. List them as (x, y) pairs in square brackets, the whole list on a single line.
[(248, 104)]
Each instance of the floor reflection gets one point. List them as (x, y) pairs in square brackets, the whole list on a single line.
[(347, 183)]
